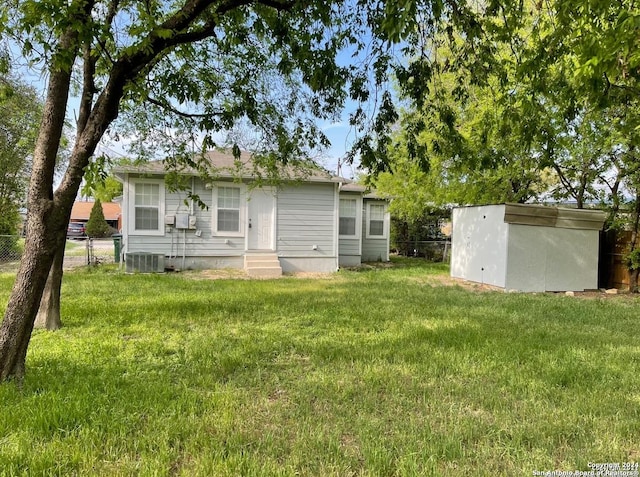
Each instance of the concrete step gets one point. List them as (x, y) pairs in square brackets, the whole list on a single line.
[(265, 272), (263, 265)]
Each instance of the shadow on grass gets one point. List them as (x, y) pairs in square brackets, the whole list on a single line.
[(223, 327), (148, 362)]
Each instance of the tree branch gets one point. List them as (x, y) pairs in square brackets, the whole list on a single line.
[(176, 111), (89, 71), (565, 182), (88, 88), (183, 19), (138, 59), (111, 14), (54, 111)]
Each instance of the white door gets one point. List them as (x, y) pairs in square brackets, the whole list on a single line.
[(261, 215)]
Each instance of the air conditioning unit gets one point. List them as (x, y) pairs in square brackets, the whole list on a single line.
[(144, 262)]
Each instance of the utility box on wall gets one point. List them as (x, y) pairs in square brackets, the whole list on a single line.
[(185, 221), (527, 247)]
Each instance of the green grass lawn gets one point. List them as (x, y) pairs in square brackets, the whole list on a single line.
[(372, 373)]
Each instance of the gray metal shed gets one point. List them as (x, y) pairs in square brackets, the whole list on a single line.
[(527, 247)]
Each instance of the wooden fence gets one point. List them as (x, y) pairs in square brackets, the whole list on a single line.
[(613, 272)]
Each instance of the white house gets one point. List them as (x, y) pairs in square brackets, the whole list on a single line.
[(527, 247), (308, 221)]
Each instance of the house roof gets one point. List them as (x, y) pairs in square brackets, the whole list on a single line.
[(367, 192), (82, 210), (225, 165), (353, 188)]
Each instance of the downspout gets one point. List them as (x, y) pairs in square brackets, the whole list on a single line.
[(124, 244), (336, 238), (193, 191), (184, 231), (171, 256), (184, 247)]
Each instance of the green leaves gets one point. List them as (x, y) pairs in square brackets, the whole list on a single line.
[(522, 101), (398, 19), (19, 121)]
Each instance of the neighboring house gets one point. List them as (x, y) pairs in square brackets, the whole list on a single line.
[(112, 213), (527, 247), (311, 222)]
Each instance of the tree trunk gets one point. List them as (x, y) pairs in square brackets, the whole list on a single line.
[(48, 212), (633, 280), (16, 328), (580, 199), (48, 316), (47, 215), (634, 272)]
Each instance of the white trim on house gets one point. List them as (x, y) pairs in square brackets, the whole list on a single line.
[(159, 206), (242, 209), (336, 224), (357, 217), (360, 237), (383, 219), (256, 197)]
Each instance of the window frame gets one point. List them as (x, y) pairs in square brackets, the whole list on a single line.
[(242, 210), (358, 217), (385, 226), (160, 207)]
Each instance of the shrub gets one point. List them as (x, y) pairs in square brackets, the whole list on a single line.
[(97, 226), (9, 218)]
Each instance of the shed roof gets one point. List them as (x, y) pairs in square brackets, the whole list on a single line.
[(530, 214)]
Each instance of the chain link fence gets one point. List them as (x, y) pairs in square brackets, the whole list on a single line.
[(432, 250), (78, 253), (99, 251), (11, 247)]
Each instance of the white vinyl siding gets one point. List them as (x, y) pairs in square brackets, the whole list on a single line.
[(305, 229), (147, 207), (229, 210), (306, 217), (376, 226), (175, 242)]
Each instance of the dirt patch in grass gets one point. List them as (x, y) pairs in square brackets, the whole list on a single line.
[(217, 274), (438, 280), (444, 280), (431, 279), (602, 294), (313, 275), (239, 274)]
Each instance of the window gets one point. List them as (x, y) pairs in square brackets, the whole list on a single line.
[(348, 218), (147, 208), (376, 221), (228, 211)]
